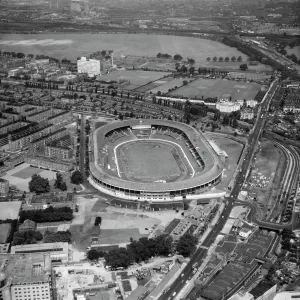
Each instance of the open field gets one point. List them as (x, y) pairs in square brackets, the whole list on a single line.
[(220, 88), (149, 161), (75, 45), (136, 78), (21, 175)]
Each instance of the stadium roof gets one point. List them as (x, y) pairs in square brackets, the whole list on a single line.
[(212, 169)]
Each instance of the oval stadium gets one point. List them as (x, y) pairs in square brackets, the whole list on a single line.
[(152, 160)]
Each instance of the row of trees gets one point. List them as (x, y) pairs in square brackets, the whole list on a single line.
[(50, 214), (144, 249), (33, 237), (226, 59), (27, 237), (56, 237)]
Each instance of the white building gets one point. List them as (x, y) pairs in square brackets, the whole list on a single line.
[(245, 233), (228, 106), (89, 66), (251, 103)]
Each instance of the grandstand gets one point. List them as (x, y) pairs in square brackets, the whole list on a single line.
[(197, 167)]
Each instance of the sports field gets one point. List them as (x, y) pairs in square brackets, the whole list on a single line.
[(27, 172), (136, 78), (220, 88), (20, 176), (150, 161)]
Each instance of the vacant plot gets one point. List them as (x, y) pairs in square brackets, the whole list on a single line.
[(220, 88), (4, 232), (266, 160), (27, 172), (136, 78), (150, 161)]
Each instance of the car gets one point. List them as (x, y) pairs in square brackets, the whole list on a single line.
[(182, 274), (146, 228), (174, 294)]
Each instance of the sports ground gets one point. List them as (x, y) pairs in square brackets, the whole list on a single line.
[(21, 175), (220, 88), (136, 78), (150, 161)]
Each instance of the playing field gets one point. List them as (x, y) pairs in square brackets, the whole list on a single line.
[(220, 88), (149, 161), (27, 172), (136, 78)]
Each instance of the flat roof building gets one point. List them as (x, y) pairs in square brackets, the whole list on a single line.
[(58, 251), (25, 277), (89, 66)]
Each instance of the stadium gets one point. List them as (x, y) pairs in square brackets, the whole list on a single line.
[(153, 160)]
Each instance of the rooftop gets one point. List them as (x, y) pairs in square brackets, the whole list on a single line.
[(28, 268), (10, 210)]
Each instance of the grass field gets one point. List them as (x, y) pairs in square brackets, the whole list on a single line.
[(149, 161), (75, 45), (21, 175), (211, 88), (136, 78), (27, 172)]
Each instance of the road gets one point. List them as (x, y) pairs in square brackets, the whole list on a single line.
[(82, 147), (201, 252)]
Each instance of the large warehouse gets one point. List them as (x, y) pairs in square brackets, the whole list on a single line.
[(153, 160)]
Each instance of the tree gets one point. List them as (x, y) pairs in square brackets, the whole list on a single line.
[(192, 69), (233, 58), (243, 67), (227, 59), (191, 61), (39, 184), (239, 59), (208, 59), (215, 58), (63, 186), (185, 82), (186, 245), (177, 57), (221, 58), (58, 181), (77, 177), (94, 254)]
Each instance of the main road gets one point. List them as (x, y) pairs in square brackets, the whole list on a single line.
[(201, 252)]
